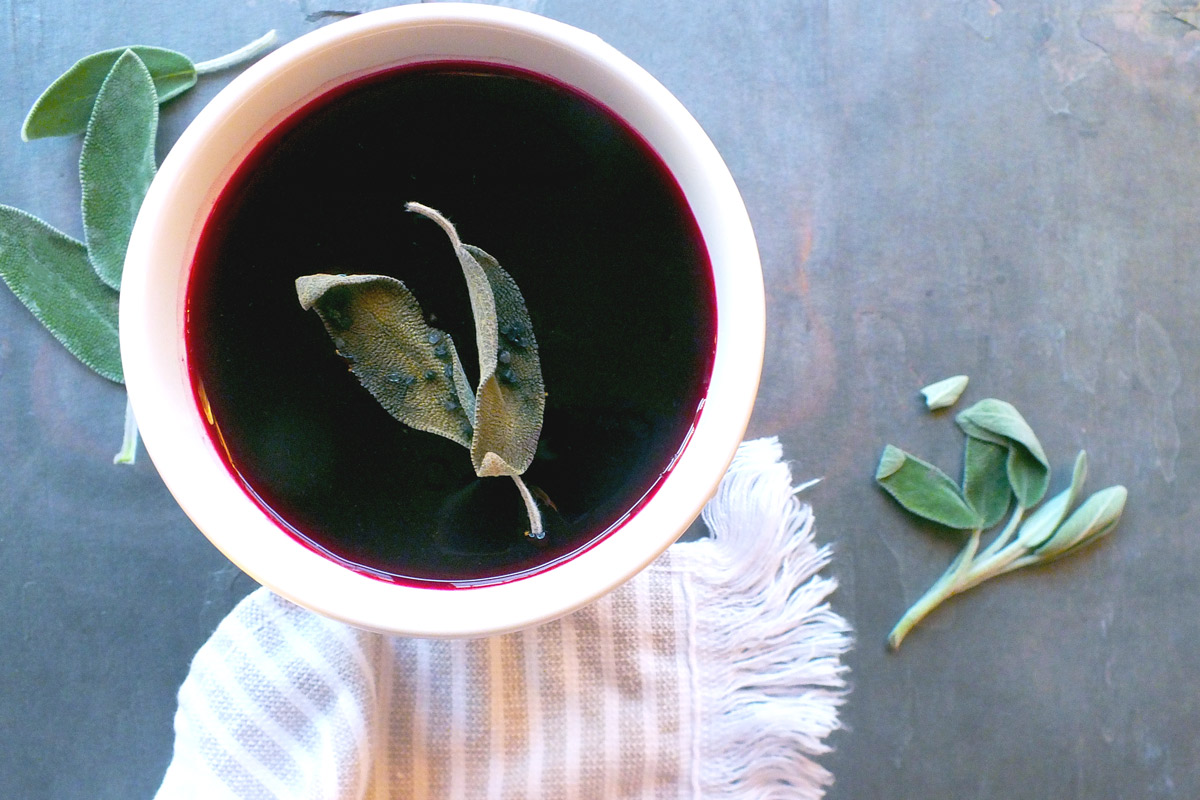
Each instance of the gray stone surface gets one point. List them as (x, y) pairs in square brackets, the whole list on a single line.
[(1005, 189)]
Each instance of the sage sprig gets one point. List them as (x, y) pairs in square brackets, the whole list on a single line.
[(413, 369), (1004, 466), (71, 287), (65, 107)]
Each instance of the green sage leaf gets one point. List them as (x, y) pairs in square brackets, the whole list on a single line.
[(410, 367), (66, 105), (1097, 516), (511, 398), (985, 479), (999, 422), (117, 163), (924, 490), (49, 272), (944, 393), (1040, 525)]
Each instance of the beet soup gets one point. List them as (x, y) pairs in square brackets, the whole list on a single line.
[(574, 205)]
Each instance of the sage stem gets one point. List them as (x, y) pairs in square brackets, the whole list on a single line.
[(946, 587), (536, 531), (239, 56), (1002, 539), (995, 560), (129, 444)]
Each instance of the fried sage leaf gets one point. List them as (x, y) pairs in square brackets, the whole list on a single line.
[(512, 399), (999, 422), (511, 396), (410, 367), (924, 490), (117, 164), (49, 272)]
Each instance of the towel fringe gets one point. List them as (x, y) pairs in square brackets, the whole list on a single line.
[(766, 658)]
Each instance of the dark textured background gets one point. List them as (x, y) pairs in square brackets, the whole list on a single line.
[(1008, 190)]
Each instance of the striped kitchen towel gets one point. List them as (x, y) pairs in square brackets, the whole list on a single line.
[(716, 673)]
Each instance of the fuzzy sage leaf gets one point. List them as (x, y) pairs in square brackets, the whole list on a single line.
[(117, 164), (1040, 526), (511, 397), (64, 108), (1000, 423), (1094, 518), (49, 272), (985, 480), (410, 367), (944, 393), (924, 490), (72, 288)]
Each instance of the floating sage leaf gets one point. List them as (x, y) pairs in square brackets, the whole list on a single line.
[(944, 393), (377, 325), (511, 397), (924, 490), (49, 272), (985, 480), (410, 367), (999, 422), (1097, 516), (116, 164), (1040, 526), (66, 105)]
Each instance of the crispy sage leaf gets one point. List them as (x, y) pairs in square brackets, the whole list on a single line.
[(66, 105), (116, 164), (1036, 530), (49, 272), (508, 419), (985, 479), (511, 397), (944, 393), (411, 368), (1097, 516), (999, 422), (479, 289), (924, 490)]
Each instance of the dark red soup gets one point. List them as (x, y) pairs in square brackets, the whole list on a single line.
[(576, 207)]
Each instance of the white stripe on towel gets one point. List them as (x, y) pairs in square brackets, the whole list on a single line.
[(716, 673)]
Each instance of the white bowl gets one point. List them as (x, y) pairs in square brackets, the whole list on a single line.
[(175, 210)]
